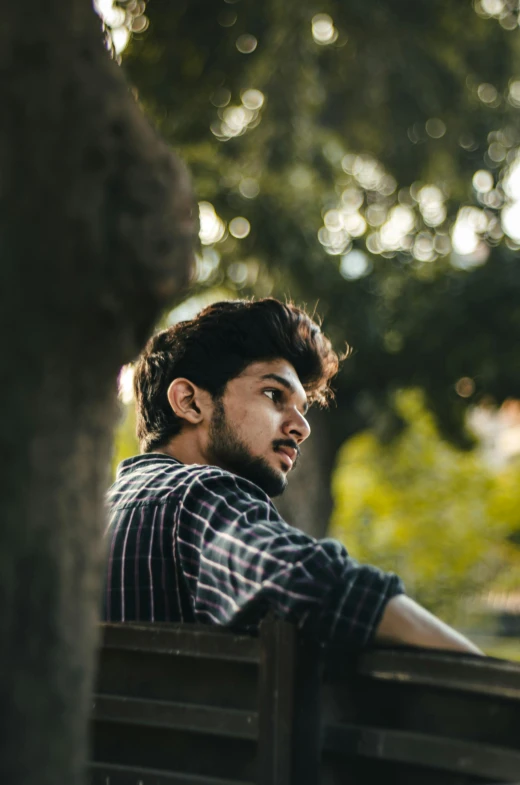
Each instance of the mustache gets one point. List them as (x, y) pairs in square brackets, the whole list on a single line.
[(287, 443)]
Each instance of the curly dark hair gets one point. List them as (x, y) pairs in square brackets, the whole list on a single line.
[(216, 346)]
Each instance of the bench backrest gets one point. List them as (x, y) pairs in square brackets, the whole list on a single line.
[(190, 704)]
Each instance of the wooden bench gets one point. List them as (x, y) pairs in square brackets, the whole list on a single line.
[(202, 706)]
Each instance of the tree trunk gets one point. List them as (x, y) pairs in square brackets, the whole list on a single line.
[(95, 238)]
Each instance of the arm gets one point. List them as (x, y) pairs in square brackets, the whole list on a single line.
[(241, 560), (406, 622)]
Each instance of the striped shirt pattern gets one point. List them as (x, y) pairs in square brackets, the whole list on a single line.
[(191, 543)]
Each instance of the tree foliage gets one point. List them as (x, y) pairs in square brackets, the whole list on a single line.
[(304, 137), (373, 152), (441, 519)]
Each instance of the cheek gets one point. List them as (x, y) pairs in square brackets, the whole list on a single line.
[(257, 426)]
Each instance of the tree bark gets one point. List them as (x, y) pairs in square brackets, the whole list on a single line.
[(96, 233)]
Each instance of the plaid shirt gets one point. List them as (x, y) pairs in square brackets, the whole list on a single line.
[(199, 544)]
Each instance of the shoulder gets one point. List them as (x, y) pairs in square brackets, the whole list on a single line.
[(214, 481), (215, 493), (157, 479), (218, 500)]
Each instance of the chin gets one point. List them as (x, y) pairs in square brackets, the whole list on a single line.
[(269, 478), (278, 486)]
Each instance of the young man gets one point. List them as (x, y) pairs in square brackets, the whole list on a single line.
[(194, 537)]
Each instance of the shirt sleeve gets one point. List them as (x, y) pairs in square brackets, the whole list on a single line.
[(240, 560)]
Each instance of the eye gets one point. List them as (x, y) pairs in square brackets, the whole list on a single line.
[(275, 395)]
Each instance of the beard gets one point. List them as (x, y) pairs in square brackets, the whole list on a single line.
[(229, 452)]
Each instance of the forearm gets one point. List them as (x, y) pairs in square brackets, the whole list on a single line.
[(407, 623)]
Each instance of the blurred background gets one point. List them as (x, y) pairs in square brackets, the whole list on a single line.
[(363, 159)]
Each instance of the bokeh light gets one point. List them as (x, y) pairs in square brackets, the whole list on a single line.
[(471, 222), (221, 97), (423, 248), (323, 30), (207, 263), (120, 37), (227, 18), (487, 93), (237, 272), (511, 221), (431, 204), (121, 21), (139, 24), (212, 227), (246, 44), (354, 265), (511, 182), (239, 227), (401, 222), (234, 120), (435, 128), (354, 224), (465, 387), (510, 217), (249, 187), (483, 181), (252, 99), (514, 92), (492, 7)]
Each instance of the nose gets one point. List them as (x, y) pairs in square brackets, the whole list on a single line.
[(297, 427)]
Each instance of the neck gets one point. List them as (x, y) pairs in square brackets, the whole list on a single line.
[(185, 448)]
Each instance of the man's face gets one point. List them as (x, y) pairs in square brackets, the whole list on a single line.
[(259, 424)]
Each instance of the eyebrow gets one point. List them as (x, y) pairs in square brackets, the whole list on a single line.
[(285, 383)]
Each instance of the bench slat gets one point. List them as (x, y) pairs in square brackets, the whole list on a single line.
[(111, 774), (440, 669), (188, 640), (185, 716), (418, 749)]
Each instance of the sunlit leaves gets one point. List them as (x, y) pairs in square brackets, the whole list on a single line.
[(121, 18), (437, 516)]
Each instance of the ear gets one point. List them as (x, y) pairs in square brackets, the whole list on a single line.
[(188, 401)]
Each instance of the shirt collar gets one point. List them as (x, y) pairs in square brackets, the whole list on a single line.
[(146, 458)]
